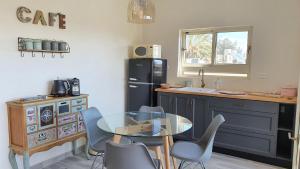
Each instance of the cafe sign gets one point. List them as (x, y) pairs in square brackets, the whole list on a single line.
[(25, 15)]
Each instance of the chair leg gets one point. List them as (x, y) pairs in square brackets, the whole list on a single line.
[(181, 164), (92, 167), (202, 165), (158, 154)]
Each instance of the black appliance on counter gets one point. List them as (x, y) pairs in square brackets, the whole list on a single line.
[(69, 87), (60, 88), (74, 87), (144, 76)]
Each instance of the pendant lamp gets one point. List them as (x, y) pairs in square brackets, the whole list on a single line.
[(141, 12)]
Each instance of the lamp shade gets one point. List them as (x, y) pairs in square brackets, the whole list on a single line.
[(141, 11)]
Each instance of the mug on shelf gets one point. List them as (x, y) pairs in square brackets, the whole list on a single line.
[(62, 46), (27, 44), (54, 45), (37, 44), (46, 45)]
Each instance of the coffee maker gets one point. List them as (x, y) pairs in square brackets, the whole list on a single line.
[(74, 87)]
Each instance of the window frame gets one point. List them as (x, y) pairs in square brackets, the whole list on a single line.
[(215, 69)]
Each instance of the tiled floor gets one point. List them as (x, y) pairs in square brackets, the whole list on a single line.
[(218, 161)]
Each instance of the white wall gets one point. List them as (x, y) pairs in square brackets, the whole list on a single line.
[(276, 39), (99, 37)]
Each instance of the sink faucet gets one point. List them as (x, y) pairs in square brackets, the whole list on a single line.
[(201, 73)]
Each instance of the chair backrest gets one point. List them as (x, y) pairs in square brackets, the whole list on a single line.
[(151, 109), (128, 156), (90, 118), (207, 140)]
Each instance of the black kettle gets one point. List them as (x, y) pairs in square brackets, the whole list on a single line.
[(60, 88)]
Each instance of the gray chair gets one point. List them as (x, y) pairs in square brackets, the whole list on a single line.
[(200, 151), (153, 143), (95, 136), (129, 156)]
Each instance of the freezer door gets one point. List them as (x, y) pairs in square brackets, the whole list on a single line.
[(159, 71), (140, 70), (139, 95)]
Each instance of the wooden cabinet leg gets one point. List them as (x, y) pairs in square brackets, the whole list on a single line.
[(26, 162), (12, 159), (74, 147)]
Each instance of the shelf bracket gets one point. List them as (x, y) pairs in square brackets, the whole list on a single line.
[(22, 54), (53, 55), (43, 54), (33, 54)]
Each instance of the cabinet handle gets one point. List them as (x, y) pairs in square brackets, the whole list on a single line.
[(292, 138), (133, 79), (133, 86)]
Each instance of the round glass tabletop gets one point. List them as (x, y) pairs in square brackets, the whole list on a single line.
[(144, 124)]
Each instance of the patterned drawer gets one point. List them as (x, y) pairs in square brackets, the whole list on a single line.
[(41, 137), (31, 115), (31, 129), (66, 119), (78, 109), (67, 130), (81, 126), (77, 102)]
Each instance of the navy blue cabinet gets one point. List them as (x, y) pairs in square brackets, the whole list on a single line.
[(190, 107), (254, 127)]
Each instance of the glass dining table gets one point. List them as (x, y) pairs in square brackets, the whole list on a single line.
[(147, 125)]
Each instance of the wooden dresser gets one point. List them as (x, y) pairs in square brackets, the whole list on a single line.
[(36, 126)]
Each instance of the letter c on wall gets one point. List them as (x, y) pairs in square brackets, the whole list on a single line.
[(20, 15)]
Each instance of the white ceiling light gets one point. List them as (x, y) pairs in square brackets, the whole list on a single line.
[(141, 11)]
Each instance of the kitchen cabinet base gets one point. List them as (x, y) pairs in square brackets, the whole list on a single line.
[(286, 163)]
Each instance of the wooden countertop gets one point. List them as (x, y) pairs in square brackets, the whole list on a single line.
[(243, 97), (49, 99)]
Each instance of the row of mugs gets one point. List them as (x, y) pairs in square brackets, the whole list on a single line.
[(36, 44)]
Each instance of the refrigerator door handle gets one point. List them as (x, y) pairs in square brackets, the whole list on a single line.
[(132, 79), (133, 86)]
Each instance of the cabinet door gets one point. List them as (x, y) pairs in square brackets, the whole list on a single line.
[(184, 108), (200, 116), (166, 101)]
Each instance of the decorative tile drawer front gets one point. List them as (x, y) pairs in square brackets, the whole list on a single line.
[(81, 126), (77, 102), (78, 109), (63, 108), (67, 130), (47, 116), (31, 115), (31, 129), (42, 137), (66, 119)]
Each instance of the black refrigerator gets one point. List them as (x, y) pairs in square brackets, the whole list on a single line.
[(144, 76)]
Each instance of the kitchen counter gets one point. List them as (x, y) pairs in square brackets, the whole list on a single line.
[(215, 93)]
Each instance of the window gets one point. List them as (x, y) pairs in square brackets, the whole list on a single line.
[(220, 51)]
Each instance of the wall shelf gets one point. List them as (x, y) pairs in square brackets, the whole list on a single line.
[(23, 50)]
